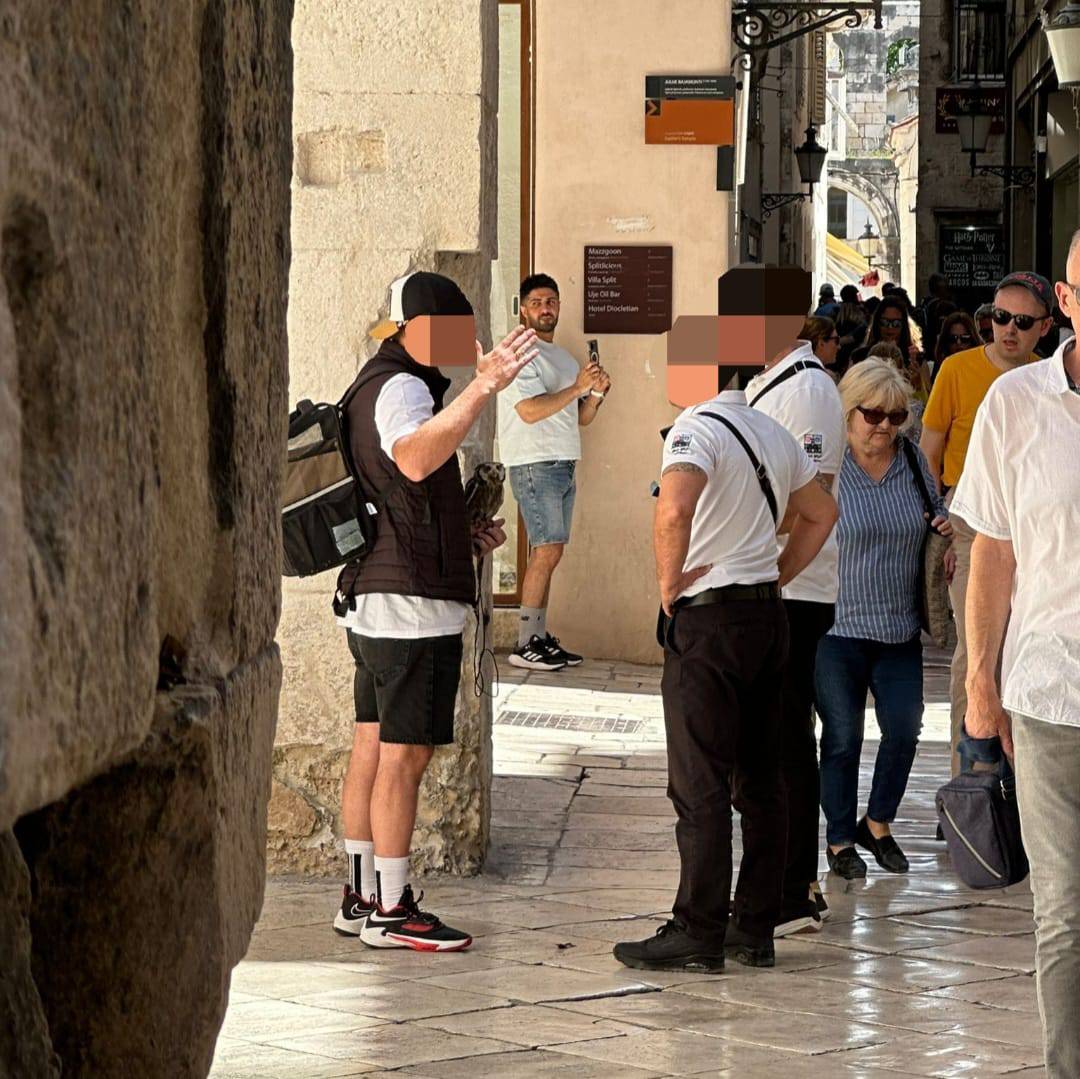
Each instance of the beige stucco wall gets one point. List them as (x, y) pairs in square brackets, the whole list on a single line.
[(904, 140), (597, 182), (394, 131)]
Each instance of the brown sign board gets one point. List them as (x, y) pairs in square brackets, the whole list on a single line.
[(952, 100), (627, 288), (689, 110)]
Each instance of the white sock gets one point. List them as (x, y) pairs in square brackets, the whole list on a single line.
[(533, 622), (361, 854), (392, 874)]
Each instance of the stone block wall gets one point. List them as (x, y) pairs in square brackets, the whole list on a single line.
[(395, 156), (144, 203)]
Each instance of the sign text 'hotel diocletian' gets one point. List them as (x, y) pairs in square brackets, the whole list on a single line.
[(627, 288)]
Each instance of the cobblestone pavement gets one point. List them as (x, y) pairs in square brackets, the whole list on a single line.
[(911, 975)]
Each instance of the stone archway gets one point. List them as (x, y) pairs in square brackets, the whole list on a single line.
[(872, 181)]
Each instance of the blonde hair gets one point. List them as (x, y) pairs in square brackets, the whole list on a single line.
[(886, 350), (874, 383)]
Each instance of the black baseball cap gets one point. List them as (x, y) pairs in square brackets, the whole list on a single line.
[(1035, 283), (418, 294)]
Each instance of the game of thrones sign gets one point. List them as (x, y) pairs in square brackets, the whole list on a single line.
[(972, 257), (627, 289)]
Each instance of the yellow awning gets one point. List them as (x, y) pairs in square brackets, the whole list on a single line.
[(844, 265)]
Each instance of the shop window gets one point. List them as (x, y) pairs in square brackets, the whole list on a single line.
[(979, 39)]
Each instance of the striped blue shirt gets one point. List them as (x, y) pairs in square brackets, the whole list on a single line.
[(880, 534)]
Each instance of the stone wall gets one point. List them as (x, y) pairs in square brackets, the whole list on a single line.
[(144, 160), (948, 194), (395, 126)]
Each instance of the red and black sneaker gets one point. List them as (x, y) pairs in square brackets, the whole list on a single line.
[(354, 911), (407, 926)]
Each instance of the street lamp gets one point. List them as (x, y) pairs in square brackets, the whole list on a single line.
[(868, 244), (1063, 37), (973, 124), (810, 157)]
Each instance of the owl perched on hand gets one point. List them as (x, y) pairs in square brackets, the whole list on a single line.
[(484, 492)]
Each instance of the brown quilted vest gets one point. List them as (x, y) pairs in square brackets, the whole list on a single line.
[(424, 544)]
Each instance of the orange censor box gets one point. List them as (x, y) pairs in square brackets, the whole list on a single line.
[(691, 110)]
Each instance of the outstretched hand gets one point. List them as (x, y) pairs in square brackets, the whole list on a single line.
[(499, 367)]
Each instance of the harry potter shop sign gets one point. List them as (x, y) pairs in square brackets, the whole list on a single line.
[(953, 100)]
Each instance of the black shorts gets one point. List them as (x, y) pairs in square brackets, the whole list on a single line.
[(408, 687)]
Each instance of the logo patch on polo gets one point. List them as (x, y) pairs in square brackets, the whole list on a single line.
[(682, 443), (813, 446)]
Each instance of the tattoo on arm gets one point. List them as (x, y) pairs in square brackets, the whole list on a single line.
[(825, 481), (683, 466)]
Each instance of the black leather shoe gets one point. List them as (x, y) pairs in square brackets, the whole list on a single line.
[(885, 850), (671, 948), (846, 863), (748, 950)]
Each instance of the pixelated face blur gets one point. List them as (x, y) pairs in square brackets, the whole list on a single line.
[(441, 340)]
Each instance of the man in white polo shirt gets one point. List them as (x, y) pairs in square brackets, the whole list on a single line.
[(1020, 491), (797, 392)]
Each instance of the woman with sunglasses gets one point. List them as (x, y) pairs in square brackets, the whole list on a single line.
[(820, 331), (875, 643), (891, 323), (958, 334)]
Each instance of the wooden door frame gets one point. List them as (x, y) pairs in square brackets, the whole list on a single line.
[(527, 224)]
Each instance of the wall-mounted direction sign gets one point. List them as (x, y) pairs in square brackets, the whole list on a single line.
[(694, 110), (627, 289), (972, 257)]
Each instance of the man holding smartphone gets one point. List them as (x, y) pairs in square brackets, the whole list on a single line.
[(540, 416)]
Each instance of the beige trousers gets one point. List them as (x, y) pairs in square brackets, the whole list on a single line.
[(963, 537)]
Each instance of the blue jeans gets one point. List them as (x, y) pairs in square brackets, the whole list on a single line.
[(847, 667), (545, 493)]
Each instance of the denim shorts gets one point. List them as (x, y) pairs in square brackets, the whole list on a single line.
[(545, 495)]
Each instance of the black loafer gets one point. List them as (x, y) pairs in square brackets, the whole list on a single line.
[(748, 950), (846, 863), (671, 948), (885, 850)]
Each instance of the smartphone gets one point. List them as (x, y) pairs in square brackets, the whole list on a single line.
[(594, 351)]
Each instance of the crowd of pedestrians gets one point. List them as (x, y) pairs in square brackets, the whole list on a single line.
[(789, 539)]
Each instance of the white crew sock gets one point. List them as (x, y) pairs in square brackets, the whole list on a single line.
[(533, 622), (361, 854), (392, 874)]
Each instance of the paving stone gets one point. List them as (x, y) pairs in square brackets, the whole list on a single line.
[(394, 1001), (539, 984), (530, 1025), (262, 1020), (572, 879), (536, 1064), (534, 914), (999, 953), (242, 1060), (983, 920), (285, 979), (1012, 994), (539, 946), (945, 1054), (908, 974)]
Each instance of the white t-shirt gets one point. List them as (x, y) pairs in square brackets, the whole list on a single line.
[(558, 438), (403, 404), (807, 404), (733, 530), (1021, 482)]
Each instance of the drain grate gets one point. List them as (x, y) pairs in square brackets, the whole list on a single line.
[(550, 721)]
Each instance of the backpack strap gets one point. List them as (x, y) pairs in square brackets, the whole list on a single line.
[(791, 372), (759, 468)]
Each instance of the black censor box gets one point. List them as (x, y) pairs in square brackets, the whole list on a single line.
[(627, 289)]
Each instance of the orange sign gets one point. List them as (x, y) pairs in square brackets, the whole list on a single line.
[(691, 110)]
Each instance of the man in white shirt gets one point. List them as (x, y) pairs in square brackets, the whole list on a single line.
[(1020, 492), (404, 604), (797, 392), (725, 640), (539, 441)]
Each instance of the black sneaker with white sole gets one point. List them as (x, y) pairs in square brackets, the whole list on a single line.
[(537, 655), (407, 926), (572, 659), (352, 914)]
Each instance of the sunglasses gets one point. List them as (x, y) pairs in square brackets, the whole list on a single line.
[(1023, 322), (961, 339), (892, 323), (874, 416)]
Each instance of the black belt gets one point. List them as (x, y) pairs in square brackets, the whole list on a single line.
[(730, 593)]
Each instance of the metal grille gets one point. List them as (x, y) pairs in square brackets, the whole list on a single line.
[(554, 722)]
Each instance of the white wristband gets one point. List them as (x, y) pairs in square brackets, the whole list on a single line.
[(596, 393)]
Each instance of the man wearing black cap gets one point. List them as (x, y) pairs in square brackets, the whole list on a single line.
[(405, 603), (1023, 306)]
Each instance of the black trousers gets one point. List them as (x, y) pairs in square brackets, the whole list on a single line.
[(808, 622), (723, 668)]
